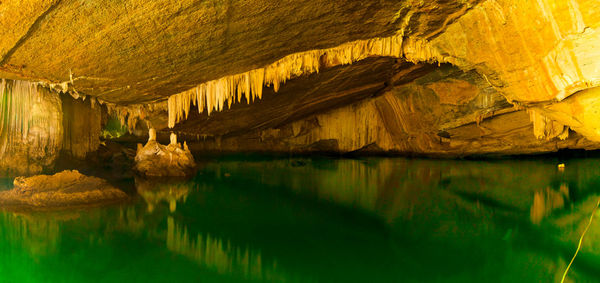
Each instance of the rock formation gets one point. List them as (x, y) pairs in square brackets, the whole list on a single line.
[(36, 123), (157, 160), (67, 188), (30, 127)]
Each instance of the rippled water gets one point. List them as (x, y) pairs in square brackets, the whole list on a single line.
[(323, 220)]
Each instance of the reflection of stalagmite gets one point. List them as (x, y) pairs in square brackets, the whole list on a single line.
[(546, 201), (220, 256), (154, 192), (155, 159)]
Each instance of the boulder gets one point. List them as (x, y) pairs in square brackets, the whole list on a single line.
[(67, 188)]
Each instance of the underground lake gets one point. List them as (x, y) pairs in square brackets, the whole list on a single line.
[(251, 218)]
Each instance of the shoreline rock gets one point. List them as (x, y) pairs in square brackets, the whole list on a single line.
[(66, 188)]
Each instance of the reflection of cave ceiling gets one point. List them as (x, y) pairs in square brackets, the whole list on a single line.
[(460, 77)]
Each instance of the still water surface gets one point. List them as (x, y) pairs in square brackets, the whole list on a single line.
[(323, 220)]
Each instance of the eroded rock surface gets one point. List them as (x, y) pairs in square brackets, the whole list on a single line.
[(67, 188), (157, 160)]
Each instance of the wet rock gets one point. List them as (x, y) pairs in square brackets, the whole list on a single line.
[(157, 160), (67, 188)]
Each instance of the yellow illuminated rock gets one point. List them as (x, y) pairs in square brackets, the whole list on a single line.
[(427, 77), (67, 188), (157, 160)]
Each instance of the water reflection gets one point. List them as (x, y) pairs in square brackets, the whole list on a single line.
[(155, 191), (37, 236), (403, 188), (364, 220), (548, 200), (216, 254), (209, 251), (446, 201)]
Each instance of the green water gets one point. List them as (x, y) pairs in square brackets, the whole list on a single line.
[(323, 220)]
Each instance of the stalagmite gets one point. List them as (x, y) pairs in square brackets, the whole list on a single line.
[(152, 135), (214, 95), (157, 160)]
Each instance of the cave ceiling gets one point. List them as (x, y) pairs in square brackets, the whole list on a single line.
[(138, 51)]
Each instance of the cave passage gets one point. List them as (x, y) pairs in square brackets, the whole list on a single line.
[(299, 141)]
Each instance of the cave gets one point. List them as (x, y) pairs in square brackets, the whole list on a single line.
[(299, 141)]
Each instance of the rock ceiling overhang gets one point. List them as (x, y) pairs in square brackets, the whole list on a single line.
[(139, 51)]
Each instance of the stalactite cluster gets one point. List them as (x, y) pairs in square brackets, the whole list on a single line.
[(130, 115), (37, 122), (214, 95), (546, 128), (26, 114)]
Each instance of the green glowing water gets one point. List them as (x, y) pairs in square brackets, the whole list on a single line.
[(323, 220)]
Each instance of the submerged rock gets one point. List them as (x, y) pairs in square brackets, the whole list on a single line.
[(157, 160), (66, 188)]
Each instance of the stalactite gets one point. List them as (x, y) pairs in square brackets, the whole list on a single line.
[(20, 111), (30, 127), (546, 128), (129, 115), (214, 95)]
